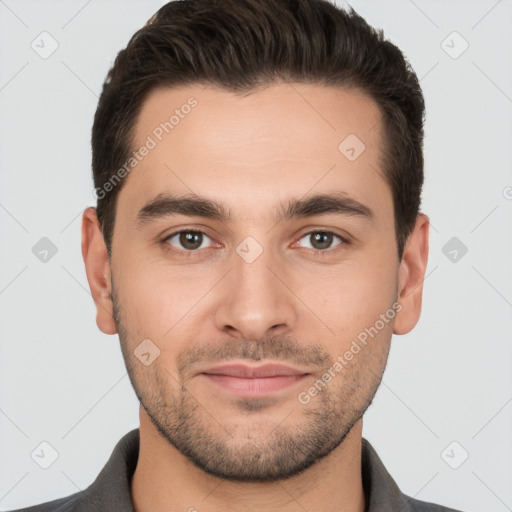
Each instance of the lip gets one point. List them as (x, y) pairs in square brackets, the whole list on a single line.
[(254, 381), (245, 371)]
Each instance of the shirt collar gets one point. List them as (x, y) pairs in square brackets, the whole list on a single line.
[(111, 489)]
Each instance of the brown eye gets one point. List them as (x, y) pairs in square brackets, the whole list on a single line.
[(322, 240), (188, 240)]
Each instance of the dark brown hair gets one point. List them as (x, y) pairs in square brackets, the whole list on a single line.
[(243, 45)]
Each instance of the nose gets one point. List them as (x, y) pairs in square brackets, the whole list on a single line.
[(256, 300)]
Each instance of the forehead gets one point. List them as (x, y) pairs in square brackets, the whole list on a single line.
[(282, 141)]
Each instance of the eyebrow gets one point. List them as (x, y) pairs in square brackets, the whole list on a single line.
[(165, 205)]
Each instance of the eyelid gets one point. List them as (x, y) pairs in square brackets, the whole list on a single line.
[(167, 237), (309, 233), (345, 240)]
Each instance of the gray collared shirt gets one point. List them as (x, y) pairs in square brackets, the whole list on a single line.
[(111, 489)]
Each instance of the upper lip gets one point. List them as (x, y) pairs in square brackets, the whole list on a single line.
[(253, 372)]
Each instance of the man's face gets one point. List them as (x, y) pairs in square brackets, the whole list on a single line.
[(258, 288)]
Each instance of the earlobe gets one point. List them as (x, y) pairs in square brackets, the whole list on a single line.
[(97, 267), (411, 275)]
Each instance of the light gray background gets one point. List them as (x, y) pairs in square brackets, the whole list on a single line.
[(64, 382)]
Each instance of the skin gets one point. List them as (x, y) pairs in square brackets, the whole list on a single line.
[(249, 154)]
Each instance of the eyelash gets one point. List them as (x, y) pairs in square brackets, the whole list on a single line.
[(195, 252)]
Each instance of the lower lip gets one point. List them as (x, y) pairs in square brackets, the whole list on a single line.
[(254, 387)]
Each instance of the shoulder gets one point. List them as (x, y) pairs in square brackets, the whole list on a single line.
[(66, 504), (381, 490), (415, 505), (111, 489)]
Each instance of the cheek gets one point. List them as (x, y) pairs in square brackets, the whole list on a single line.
[(352, 298), (159, 301)]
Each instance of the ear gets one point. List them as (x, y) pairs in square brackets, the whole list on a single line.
[(411, 275), (97, 267)]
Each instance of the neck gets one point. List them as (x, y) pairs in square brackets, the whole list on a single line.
[(165, 480)]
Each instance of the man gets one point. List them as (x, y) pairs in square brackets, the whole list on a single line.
[(257, 240)]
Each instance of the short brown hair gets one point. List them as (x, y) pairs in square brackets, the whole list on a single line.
[(242, 45)]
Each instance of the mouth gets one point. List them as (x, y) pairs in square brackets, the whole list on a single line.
[(254, 381)]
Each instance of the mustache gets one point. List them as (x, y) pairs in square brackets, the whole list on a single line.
[(277, 348)]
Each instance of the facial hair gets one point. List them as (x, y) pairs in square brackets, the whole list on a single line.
[(287, 450)]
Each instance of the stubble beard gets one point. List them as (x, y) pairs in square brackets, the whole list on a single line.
[(277, 453)]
